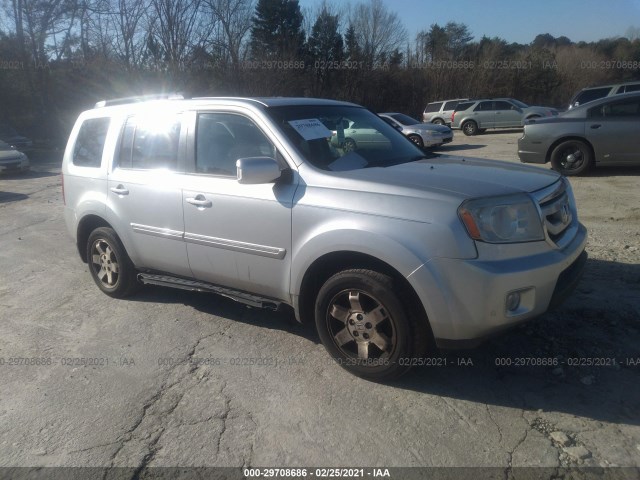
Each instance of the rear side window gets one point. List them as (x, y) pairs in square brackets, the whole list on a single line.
[(433, 107), (450, 105), (632, 88), (484, 106), (89, 146), (463, 106), (593, 94), (150, 142), (625, 108)]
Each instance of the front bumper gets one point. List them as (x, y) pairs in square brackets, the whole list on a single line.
[(14, 167), (531, 153), (474, 292)]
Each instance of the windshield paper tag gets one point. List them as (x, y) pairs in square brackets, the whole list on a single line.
[(311, 128)]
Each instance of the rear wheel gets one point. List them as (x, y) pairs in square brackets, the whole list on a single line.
[(110, 266), (438, 121), (572, 157), (470, 128), (366, 327)]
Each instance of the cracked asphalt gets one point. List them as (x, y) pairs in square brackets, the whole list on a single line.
[(175, 378)]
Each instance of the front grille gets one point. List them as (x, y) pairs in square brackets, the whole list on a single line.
[(557, 212)]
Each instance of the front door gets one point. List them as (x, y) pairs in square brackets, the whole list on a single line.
[(237, 235)]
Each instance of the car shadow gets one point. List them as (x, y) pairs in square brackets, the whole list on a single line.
[(630, 171), (6, 197), (591, 343), (455, 148), (581, 359)]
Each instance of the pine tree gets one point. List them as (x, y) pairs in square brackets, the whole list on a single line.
[(277, 30)]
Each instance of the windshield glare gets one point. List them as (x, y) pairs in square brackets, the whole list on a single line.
[(339, 138)]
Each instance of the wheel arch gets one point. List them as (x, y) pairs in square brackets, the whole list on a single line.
[(558, 141), (86, 225)]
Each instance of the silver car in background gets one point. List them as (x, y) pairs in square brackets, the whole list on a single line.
[(601, 132), (476, 116), (383, 248), (11, 160), (422, 134), (439, 112)]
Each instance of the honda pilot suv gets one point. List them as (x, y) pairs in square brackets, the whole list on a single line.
[(389, 252)]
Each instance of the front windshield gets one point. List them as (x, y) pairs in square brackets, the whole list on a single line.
[(338, 138), (404, 119), (520, 104)]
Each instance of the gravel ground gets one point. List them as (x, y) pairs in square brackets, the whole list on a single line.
[(136, 408)]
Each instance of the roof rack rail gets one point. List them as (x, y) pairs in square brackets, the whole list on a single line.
[(138, 99)]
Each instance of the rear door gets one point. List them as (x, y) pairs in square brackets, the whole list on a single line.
[(614, 131), (144, 191), (507, 114), (484, 115)]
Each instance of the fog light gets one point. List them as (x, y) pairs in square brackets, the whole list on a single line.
[(513, 301)]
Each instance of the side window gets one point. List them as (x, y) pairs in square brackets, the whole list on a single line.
[(89, 146), (449, 106), (592, 94), (463, 106), (627, 108), (150, 142), (499, 105), (632, 88), (433, 107), (483, 107), (223, 138)]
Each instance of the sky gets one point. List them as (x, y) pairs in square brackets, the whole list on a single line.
[(516, 20)]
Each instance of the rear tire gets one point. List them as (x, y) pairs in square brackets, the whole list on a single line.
[(366, 328), (438, 121), (110, 266), (572, 157), (470, 128)]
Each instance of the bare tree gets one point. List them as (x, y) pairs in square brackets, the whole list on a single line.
[(129, 35), (379, 31), (233, 18)]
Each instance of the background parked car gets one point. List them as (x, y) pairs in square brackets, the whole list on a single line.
[(422, 134), (476, 116), (594, 93), (11, 160), (9, 135), (440, 112), (602, 132)]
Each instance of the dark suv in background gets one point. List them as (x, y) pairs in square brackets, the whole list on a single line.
[(594, 93)]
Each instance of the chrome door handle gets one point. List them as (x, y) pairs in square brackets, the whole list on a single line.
[(199, 201), (120, 190)]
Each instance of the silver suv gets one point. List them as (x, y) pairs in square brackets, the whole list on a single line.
[(383, 248), (440, 112), (476, 116)]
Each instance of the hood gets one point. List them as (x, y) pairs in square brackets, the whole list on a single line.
[(429, 127), (455, 176)]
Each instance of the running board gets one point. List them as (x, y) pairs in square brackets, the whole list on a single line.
[(197, 286)]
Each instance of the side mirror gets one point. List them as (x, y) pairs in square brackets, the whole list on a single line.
[(255, 170)]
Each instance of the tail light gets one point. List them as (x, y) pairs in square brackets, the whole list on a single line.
[(64, 200), (453, 115)]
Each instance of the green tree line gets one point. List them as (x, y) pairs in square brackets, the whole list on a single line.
[(58, 57)]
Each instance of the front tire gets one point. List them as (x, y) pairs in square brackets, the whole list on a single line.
[(349, 145), (366, 327), (417, 140), (110, 266), (572, 157), (470, 128)]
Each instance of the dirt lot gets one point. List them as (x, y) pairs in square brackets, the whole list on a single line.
[(169, 384)]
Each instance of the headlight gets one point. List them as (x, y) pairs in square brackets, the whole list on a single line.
[(508, 219)]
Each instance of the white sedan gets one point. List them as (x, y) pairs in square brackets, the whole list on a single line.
[(422, 134)]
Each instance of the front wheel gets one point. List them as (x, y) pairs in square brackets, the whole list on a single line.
[(572, 157), (470, 128), (365, 326), (417, 140), (110, 266), (349, 145)]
